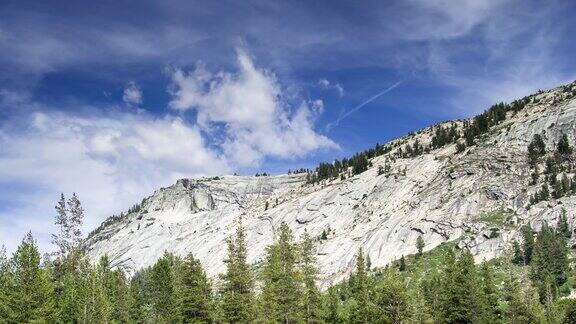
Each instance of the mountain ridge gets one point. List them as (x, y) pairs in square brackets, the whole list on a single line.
[(478, 195)]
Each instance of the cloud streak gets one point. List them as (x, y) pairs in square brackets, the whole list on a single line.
[(360, 106)]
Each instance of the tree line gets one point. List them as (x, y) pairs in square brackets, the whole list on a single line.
[(443, 285)]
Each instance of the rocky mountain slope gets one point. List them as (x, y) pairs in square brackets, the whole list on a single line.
[(479, 196)]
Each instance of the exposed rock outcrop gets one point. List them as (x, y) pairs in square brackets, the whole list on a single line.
[(479, 196)]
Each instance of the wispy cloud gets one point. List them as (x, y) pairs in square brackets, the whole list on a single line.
[(360, 106), (327, 85), (132, 94)]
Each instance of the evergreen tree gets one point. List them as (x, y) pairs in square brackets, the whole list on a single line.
[(282, 291), (196, 292), (5, 285), (522, 306), (402, 264), (545, 192), (237, 283), (96, 307), (165, 290), (117, 292), (570, 312), (563, 146), (420, 245), (313, 312), (362, 292), (139, 299), (392, 299), (491, 312), (31, 292), (563, 228), (433, 291), (332, 305), (536, 149), (462, 296), (517, 254), (550, 263), (527, 243)]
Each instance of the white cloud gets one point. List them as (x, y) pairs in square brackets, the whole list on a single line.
[(325, 84), (132, 94), (257, 120), (110, 161), (446, 19)]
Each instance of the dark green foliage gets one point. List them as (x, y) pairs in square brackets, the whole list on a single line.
[(563, 147), (29, 292), (549, 266), (364, 310), (402, 265), (517, 253), (563, 228), (237, 289), (536, 149), (195, 293), (460, 147), (527, 243), (570, 313), (393, 301), (490, 296), (164, 287), (461, 291), (282, 288), (313, 310), (420, 245), (444, 135)]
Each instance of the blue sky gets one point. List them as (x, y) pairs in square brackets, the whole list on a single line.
[(114, 99)]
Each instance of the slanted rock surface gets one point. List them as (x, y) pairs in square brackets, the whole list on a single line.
[(478, 196)]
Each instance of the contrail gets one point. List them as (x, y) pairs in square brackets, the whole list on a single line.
[(355, 109)]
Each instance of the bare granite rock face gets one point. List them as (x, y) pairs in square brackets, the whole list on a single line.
[(478, 196)]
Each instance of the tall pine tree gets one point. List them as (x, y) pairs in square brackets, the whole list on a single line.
[(237, 290), (282, 290), (196, 293), (31, 292)]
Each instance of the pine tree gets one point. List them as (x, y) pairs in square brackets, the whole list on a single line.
[(550, 263), (313, 311), (527, 243), (332, 305), (433, 291), (419, 245), (563, 228), (522, 306), (517, 254), (491, 312), (282, 290), (545, 192), (164, 290), (563, 146), (238, 284), (5, 285), (570, 313), (536, 149), (462, 295), (31, 293), (392, 299), (96, 307), (362, 292), (118, 293), (61, 240), (402, 265), (196, 293), (139, 298)]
